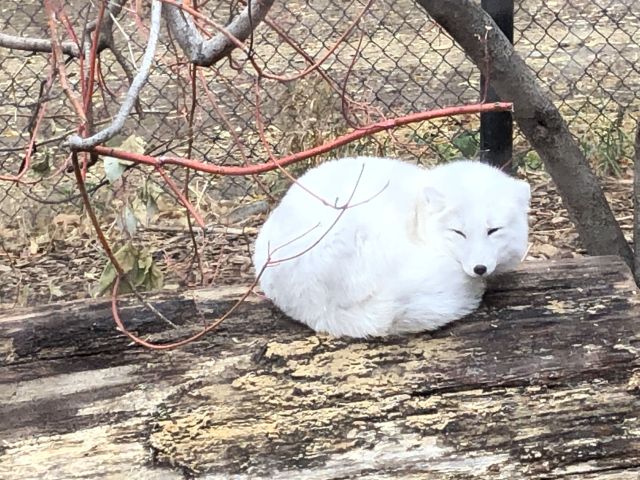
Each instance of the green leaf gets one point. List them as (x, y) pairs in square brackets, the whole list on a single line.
[(139, 268), (42, 166), (467, 143)]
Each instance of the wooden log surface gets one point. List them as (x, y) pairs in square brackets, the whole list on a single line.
[(542, 382)]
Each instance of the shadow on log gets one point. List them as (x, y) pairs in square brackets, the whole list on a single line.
[(542, 382)]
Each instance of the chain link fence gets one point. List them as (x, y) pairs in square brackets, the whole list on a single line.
[(396, 62)]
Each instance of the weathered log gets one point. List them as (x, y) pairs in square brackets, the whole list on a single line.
[(542, 382)]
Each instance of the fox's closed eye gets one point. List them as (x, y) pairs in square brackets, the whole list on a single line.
[(491, 231), (458, 232)]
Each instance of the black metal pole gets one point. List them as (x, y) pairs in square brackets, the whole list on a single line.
[(496, 128)]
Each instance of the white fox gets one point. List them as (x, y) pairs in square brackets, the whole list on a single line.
[(409, 253)]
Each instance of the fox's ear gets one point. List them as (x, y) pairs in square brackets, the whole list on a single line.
[(523, 193), (433, 199)]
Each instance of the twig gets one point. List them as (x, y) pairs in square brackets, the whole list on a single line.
[(41, 107), (342, 209), (330, 51), (59, 63), (105, 244), (272, 157), (216, 323), (234, 135), (185, 202), (296, 157), (169, 346), (330, 81), (78, 143), (192, 113), (88, 82)]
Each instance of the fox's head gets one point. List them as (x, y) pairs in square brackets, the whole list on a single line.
[(479, 214)]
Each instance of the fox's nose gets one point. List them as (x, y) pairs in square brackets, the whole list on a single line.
[(480, 270)]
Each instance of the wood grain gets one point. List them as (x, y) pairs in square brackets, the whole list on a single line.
[(542, 382)]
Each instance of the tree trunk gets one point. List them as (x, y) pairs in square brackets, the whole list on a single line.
[(538, 119), (542, 382)]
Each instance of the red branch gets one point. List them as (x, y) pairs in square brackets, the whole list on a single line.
[(182, 197), (179, 343), (89, 81), (296, 157), (56, 50), (41, 109)]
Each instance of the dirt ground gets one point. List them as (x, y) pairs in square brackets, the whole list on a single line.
[(69, 267), (583, 51)]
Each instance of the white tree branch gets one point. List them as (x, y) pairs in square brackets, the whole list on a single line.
[(207, 52), (78, 143)]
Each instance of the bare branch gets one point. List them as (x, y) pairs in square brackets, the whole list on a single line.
[(78, 143), (207, 52), (36, 44), (68, 48), (114, 7), (296, 157), (59, 64)]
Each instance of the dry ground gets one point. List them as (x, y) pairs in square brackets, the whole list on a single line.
[(68, 267)]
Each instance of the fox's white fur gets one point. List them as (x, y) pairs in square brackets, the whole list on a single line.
[(401, 258)]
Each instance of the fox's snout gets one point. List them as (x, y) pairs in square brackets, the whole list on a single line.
[(478, 269)]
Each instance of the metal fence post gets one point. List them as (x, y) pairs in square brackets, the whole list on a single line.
[(496, 128)]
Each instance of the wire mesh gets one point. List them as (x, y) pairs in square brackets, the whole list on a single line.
[(396, 62)]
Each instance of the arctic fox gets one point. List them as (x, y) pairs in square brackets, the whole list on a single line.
[(373, 246)]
